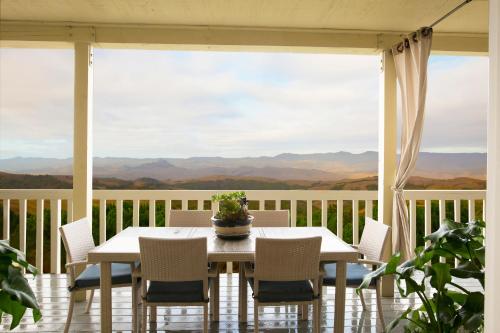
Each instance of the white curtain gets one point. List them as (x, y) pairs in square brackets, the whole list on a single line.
[(411, 57)]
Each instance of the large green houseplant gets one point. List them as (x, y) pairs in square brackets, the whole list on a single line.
[(15, 293), (449, 307)]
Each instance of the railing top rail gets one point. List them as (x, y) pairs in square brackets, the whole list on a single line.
[(252, 194)]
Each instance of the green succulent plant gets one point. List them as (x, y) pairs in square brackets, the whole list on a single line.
[(450, 307), (232, 206), (15, 292)]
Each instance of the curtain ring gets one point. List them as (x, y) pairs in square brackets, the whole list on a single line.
[(407, 43)]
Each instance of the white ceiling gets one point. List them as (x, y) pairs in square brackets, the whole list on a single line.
[(374, 15)]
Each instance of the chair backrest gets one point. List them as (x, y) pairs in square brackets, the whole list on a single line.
[(174, 259), (270, 218), (190, 218), (373, 239), (77, 239), (287, 259)]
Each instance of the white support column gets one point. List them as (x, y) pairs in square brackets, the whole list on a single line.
[(82, 137), (492, 324), (387, 151)]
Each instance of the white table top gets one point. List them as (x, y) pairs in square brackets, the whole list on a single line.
[(124, 247)]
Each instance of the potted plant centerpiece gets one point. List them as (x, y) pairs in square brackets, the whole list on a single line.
[(232, 220)]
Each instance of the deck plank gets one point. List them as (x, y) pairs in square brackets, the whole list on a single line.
[(51, 292)]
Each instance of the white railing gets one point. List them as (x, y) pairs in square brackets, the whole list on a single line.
[(325, 203)]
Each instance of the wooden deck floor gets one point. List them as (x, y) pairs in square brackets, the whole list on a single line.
[(53, 297)]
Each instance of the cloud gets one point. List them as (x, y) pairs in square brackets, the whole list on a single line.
[(179, 104)]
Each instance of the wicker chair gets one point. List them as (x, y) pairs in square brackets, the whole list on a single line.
[(371, 247), (190, 218), (270, 218), (177, 274), (199, 218), (286, 271), (78, 241)]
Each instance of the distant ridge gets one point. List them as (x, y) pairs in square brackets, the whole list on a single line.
[(286, 166)]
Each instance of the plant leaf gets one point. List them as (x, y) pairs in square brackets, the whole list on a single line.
[(441, 275), (12, 307)]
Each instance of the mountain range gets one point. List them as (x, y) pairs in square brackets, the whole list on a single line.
[(310, 167)]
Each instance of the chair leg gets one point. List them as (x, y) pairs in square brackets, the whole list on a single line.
[(362, 298), (70, 312), (255, 316), (144, 317), (305, 311), (89, 303), (316, 315), (152, 314), (135, 303), (205, 318), (216, 298), (378, 292)]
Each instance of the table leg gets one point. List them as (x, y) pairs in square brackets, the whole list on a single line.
[(340, 286), (243, 296), (106, 310)]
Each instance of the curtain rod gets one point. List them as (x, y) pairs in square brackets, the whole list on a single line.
[(450, 12)]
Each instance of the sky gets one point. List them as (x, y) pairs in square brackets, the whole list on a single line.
[(230, 104)]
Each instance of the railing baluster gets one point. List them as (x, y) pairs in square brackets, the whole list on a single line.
[(293, 213), (277, 204), (442, 217), (200, 205), (22, 224), (55, 238), (324, 213), (457, 217), (184, 204), (39, 235), (215, 207), (484, 210), (102, 221), (152, 213), (340, 219), (309, 209), (262, 204), (472, 210), (167, 212), (457, 214), (69, 210), (428, 218), (119, 215), (136, 212), (355, 221), (413, 224), (6, 219), (369, 208)]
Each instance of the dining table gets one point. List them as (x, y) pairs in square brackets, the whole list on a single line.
[(124, 248)]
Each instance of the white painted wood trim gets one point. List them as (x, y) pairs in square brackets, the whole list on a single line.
[(39, 235), (6, 219), (152, 213), (324, 213), (119, 215), (136, 212), (228, 38), (55, 237), (355, 222), (23, 211), (102, 221), (492, 324), (340, 219), (413, 224), (82, 137)]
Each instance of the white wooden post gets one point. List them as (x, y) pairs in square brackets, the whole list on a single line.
[(492, 324), (387, 146), (82, 135)]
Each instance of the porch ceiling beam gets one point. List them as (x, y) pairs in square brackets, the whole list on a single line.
[(18, 34)]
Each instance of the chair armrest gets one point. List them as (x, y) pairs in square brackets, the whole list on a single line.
[(136, 272), (248, 270), (76, 263), (370, 262)]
